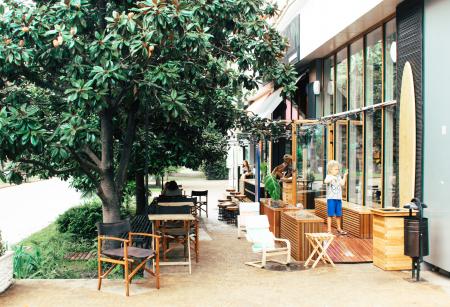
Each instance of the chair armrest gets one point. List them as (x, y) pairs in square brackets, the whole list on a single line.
[(288, 243), (144, 234), (106, 238)]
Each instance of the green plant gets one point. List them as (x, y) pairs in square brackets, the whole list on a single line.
[(272, 186), (2, 246), (81, 221), (26, 262), (264, 170), (216, 170)]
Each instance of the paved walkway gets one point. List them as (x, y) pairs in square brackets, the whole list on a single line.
[(222, 279), (29, 207)]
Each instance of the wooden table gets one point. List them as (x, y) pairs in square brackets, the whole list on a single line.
[(356, 220), (187, 218), (388, 239), (294, 226), (274, 215)]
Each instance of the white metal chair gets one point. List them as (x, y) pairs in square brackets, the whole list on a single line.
[(264, 241), (245, 210)]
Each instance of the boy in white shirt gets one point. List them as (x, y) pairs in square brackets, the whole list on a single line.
[(334, 184)]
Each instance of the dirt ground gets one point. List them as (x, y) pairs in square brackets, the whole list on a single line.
[(222, 279)]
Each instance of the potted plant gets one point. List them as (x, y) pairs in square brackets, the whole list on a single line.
[(6, 266), (272, 186)]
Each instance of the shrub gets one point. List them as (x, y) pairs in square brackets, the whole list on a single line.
[(216, 171), (2, 246), (80, 221)]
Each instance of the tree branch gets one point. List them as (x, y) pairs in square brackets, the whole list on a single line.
[(127, 146), (92, 155), (47, 167), (85, 165)]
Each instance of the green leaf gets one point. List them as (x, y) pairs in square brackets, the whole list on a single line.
[(272, 186)]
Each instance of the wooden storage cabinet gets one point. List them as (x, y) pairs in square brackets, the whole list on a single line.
[(294, 225), (388, 239)]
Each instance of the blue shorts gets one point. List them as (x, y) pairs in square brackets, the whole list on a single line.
[(334, 207)]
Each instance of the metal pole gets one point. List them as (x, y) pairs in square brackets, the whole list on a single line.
[(257, 175)]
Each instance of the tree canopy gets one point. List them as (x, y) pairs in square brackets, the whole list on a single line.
[(88, 88)]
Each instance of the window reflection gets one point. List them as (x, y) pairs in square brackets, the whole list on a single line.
[(374, 67), (373, 159), (341, 81), (355, 163), (329, 86), (341, 148), (356, 75)]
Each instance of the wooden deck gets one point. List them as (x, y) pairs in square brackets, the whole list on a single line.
[(349, 249)]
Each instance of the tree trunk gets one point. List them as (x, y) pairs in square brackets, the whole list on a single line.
[(140, 193), (110, 200), (158, 180)]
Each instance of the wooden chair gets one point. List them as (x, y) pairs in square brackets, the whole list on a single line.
[(264, 241), (119, 251), (202, 201)]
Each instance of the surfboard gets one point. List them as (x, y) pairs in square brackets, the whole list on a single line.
[(407, 137)]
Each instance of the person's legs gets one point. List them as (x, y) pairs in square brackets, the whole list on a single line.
[(339, 217), (331, 211)]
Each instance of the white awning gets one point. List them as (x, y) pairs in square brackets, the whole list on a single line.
[(265, 107)]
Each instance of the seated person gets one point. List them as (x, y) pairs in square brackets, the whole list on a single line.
[(171, 189)]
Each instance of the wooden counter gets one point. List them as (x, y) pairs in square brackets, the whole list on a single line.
[(294, 225), (388, 239), (356, 220), (274, 215)]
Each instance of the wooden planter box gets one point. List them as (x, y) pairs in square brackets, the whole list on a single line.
[(274, 216), (6, 270), (356, 220), (294, 225)]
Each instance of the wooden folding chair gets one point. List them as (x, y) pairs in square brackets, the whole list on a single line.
[(119, 251), (202, 201), (320, 243)]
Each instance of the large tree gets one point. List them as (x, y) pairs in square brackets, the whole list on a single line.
[(84, 84)]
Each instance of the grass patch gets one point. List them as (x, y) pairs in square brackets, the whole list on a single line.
[(41, 255)]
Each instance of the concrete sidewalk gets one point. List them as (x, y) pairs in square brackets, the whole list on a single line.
[(222, 279)]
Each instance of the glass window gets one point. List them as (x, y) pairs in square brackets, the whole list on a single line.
[(390, 51), (341, 81), (355, 163), (341, 148), (374, 67), (328, 86), (356, 74), (373, 159), (390, 157), (310, 152)]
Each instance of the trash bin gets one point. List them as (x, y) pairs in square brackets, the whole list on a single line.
[(411, 235)]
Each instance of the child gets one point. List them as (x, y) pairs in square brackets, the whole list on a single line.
[(334, 184)]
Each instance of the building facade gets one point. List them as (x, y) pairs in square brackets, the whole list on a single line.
[(351, 56)]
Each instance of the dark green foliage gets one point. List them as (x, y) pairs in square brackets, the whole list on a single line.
[(216, 170), (272, 186), (80, 221)]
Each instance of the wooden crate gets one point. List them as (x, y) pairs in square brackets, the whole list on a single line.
[(293, 228), (356, 220), (388, 241)]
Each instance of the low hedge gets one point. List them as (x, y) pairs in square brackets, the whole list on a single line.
[(81, 221)]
